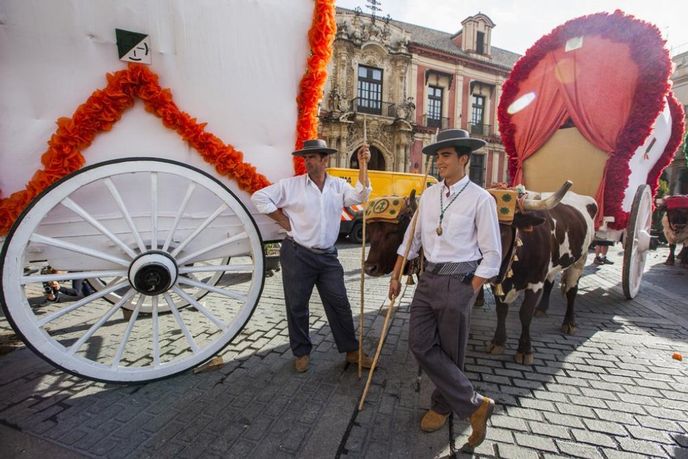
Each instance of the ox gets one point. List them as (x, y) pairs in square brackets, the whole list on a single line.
[(562, 230), (549, 236), (675, 225)]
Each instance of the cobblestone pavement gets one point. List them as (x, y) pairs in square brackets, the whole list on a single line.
[(611, 390)]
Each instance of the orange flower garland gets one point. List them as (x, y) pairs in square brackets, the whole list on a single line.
[(320, 37), (100, 112), (105, 107)]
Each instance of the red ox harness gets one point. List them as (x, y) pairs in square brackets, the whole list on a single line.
[(676, 202), (676, 205)]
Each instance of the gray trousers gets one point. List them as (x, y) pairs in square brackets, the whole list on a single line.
[(438, 336), (301, 271)]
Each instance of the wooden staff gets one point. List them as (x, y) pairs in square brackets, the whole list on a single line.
[(390, 308), (363, 242)]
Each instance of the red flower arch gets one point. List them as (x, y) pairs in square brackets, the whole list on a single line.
[(647, 51)]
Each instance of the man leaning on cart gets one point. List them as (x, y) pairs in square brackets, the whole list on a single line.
[(309, 206)]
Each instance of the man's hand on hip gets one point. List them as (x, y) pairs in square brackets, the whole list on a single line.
[(281, 219)]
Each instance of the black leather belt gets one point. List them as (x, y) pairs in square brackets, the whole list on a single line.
[(315, 250)]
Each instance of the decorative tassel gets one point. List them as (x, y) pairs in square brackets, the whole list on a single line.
[(519, 243), (409, 280), (515, 258), (498, 290), (510, 274)]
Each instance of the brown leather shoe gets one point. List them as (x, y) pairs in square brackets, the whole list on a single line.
[(352, 357), (301, 363), (479, 422), (432, 421)]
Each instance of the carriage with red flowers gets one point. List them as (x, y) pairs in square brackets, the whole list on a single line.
[(591, 102), (125, 192)]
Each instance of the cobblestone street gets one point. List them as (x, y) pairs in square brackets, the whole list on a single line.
[(611, 390)]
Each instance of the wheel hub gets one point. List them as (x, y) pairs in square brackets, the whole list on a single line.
[(153, 272), (644, 239)]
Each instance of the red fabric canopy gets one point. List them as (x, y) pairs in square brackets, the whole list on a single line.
[(583, 84)]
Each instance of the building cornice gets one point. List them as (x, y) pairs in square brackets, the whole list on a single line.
[(415, 48)]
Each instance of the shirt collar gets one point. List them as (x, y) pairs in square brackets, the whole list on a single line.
[(457, 186), (309, 181)]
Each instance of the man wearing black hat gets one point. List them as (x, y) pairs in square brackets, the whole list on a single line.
[(458, 229), (309, 207)]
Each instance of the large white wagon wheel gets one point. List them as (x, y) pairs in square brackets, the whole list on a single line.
[(637, 241), (151, 223)]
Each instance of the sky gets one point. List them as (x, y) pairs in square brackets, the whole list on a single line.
[(520, 23)]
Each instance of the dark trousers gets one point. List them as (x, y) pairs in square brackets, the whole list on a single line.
[(438, 336), (301, 270)]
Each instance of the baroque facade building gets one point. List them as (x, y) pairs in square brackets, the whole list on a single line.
[(402, 82)]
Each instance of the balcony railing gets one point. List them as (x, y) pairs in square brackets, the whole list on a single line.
[(374, 107), (484, 130), (442, 123)]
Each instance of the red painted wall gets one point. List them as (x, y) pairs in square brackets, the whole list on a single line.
[(420, 95)]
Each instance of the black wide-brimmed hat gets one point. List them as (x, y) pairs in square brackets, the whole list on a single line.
[(314, 146), (453, 138)]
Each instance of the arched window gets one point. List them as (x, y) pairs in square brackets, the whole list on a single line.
[(376, 163)]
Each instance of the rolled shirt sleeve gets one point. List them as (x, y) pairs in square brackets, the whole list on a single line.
[(269, 199), (357, 194)]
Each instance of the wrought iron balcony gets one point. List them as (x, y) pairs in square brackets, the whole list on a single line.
[(442, 123), (484, 130), (374, 107)]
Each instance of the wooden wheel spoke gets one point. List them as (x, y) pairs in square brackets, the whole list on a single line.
[(127, 332), (220, 324), (38, 238), (180, 322), (86, 300), (228, 293), (75, 347)]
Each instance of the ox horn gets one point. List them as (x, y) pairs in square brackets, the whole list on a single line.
[(550, 202)]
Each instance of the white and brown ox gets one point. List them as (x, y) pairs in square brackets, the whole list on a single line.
[(675, 225), (550, 235)]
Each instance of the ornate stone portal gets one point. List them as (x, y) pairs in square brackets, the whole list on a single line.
[(380, 45)]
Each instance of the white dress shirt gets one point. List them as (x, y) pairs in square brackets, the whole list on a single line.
[(314, 215), (470, 228)]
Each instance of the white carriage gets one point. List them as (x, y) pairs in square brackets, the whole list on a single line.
[(591, 103), (153, 209)]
